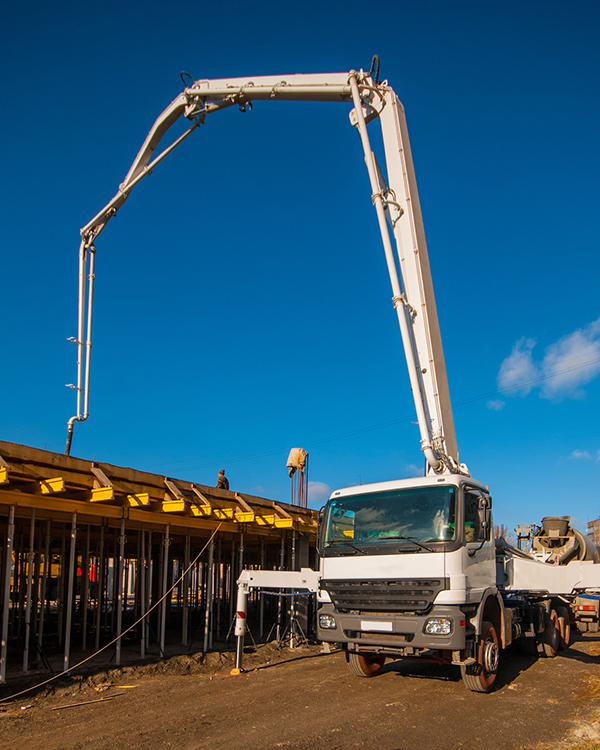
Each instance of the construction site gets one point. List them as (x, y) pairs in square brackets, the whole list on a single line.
[(209, 616), (89, 549)]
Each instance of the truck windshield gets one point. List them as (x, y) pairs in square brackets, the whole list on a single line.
[(420, 515)]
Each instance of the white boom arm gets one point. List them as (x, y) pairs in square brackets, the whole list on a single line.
[(396, 201)]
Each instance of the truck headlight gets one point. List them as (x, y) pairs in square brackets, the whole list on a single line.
[(438, 626), (327, 622)]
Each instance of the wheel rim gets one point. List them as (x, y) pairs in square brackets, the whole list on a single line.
[(490, 657)]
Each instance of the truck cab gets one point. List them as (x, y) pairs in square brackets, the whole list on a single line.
[(405, 566)]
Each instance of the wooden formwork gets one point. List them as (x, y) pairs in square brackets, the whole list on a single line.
[(88, 548)]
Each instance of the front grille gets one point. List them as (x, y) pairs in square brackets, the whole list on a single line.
[(395, 595)]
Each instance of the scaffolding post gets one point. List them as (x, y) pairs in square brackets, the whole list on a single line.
[(44, 584), (100, 589), (165, 573), (120, 591), (29, 586), (142, 585), (10, 533), (72, 566), (209, 595), (186, 590)]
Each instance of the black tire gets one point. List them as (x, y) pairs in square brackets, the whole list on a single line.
[(551, 637), (364, 665), (480, 677), (564, 626)]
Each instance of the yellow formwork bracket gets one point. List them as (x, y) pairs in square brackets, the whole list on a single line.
[(173, 506), (139, 499), (223, 513), (265, 520), (284, 523), (201, 510), (55, 484), (3, 475), (244, 517), (102, 494)]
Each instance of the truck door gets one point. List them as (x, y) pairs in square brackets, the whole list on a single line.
[(478, 553)]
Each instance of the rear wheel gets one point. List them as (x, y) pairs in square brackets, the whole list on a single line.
[(551, 637), (364, 665), (480, 677), (564, 626)]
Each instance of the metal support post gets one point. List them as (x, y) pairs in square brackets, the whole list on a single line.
[(280, 598), (61, 586), (209, 595), (146, 624), (29, 574), (165, 574), (261, 613), (186, 589), (100, 589), (85, 570), (120, 591), (44, 584), (142, 585), (10, 533), (70, 592)]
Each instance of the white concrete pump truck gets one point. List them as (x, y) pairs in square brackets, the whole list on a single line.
[(408, 568)]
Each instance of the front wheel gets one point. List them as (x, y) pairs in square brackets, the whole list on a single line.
[(364, 665), (480, 677)]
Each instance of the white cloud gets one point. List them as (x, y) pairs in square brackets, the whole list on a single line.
[(580, 454), (571, 362), (568, 364), (495, 405), (412, 470), (318, 491), (518, 369), (598, 459)]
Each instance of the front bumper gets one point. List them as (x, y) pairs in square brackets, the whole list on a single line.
[(393, 632)]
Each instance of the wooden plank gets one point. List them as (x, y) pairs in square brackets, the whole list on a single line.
[(243, 503), (100, 476), (44, 502), (281, 511)]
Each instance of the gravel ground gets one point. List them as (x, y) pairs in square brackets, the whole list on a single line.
[(305, 698)]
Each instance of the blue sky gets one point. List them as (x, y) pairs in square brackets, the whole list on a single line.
[(242, 301)]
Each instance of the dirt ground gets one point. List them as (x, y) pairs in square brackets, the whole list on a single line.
[(305, 699)]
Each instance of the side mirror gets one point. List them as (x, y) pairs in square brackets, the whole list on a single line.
[(484, 510), (320, 531)]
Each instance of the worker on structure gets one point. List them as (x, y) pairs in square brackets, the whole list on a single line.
[(222, 481)]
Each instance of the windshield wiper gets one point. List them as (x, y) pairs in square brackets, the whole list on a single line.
[(409, 539), (348, 544)]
